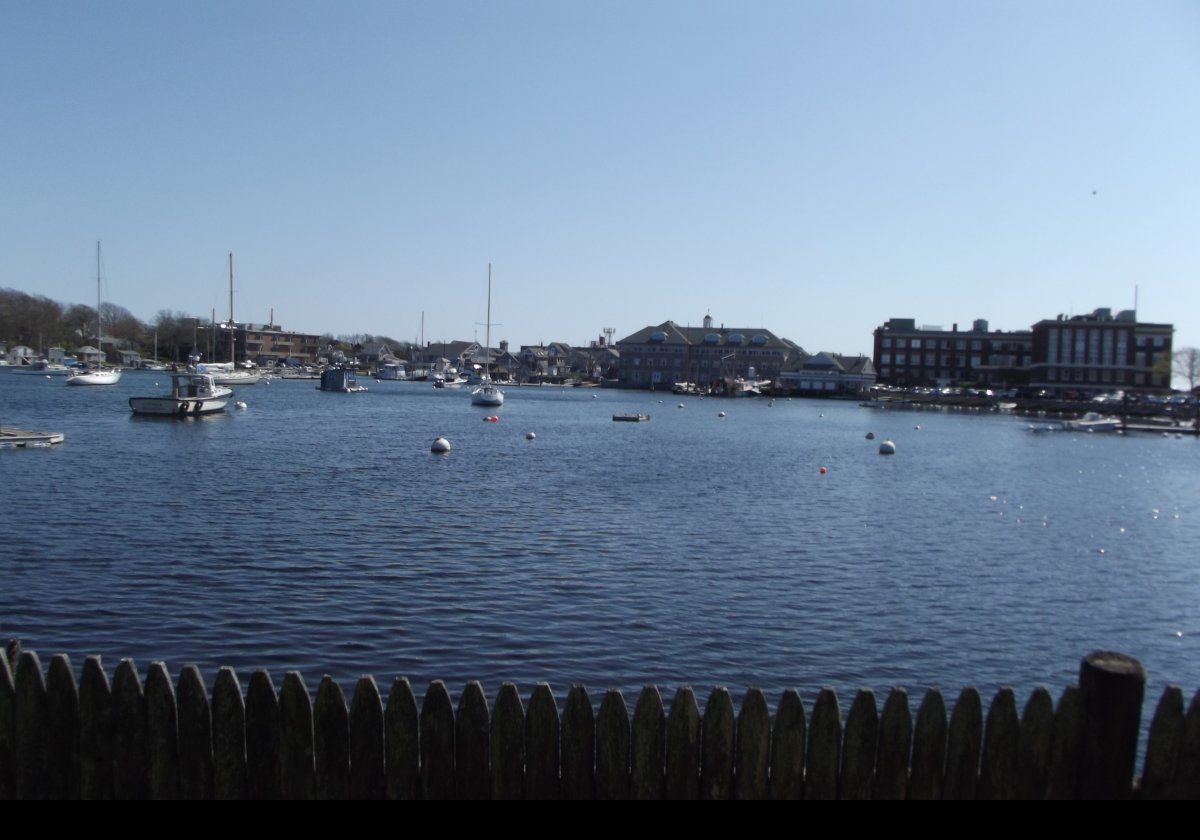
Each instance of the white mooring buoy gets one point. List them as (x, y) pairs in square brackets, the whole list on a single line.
[(887, 448), (241, 405), (720, 413), (530, 436), (440, 446)]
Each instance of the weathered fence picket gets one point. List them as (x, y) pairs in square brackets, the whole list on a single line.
[(62, 697), (437, 743), (858, 747), (1063, 773), (195, 736), (366, 741), (895, 743), (297, 752), (507, 746), (95, 732), (230, 750), (683, 746), (928, 768), (32, 721), (1187, 769), (963, 744), (8, 746), (161, 740), (716, 746), (541, 744), (788, 741), (752, 751), (824, 747), (578, 744), (472, 745), (162, 733), (1033, 759), (130, 756), (647, 746), (264, 778), (612, 747), (331, 741), (402, 744)]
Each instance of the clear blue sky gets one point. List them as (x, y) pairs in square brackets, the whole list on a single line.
[(814, 168)]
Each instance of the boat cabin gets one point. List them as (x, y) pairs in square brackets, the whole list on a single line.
[(191, 386), (339, 379)]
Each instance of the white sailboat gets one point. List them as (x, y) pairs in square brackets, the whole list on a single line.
[(98, 375), (227, 373), (487, 393)]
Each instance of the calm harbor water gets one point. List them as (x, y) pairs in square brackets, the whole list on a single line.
[(316, 532)]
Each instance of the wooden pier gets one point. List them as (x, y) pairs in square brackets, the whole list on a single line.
[(12, 437), (164, 739)]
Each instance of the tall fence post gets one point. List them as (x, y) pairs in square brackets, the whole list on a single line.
[(1112, 686)]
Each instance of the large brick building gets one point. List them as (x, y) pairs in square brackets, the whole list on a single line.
[(1081, 353), (908, 355), (1101, 352), (658, 356)]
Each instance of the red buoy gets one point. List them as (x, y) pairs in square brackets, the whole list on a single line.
[(822, 471)]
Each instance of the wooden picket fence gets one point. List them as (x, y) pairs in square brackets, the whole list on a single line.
[(158, 740)]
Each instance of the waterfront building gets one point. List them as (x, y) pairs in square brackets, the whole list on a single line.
[(828, 375), (907, 355), (441, 355), (1081, 354), (21, 355), (1101, 352), (659, 356), (266, 345), (89, 355)]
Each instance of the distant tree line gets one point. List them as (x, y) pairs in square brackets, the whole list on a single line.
[(38, 322)]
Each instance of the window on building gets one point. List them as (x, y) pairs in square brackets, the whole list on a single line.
[(885, 358), (916, 343), (900, 342)]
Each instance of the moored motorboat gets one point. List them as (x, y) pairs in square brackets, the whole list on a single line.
[(192, 394), (1092, 422)]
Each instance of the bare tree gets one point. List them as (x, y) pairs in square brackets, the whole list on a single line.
[(1186, 365)]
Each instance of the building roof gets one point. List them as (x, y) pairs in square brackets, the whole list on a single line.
[(669, 332)]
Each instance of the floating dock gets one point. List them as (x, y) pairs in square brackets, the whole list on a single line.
[(10, 437)]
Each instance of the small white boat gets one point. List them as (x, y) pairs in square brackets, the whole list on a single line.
[(42, 368), (1092, 422), (192, 394), (94, 376), (231, 378)]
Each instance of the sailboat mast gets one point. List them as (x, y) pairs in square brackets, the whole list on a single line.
[(487, 351), (231, 349), (99, 322)]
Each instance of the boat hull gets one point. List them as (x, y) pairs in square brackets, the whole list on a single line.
[(106, 377), (171, 407), (488, 396)]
